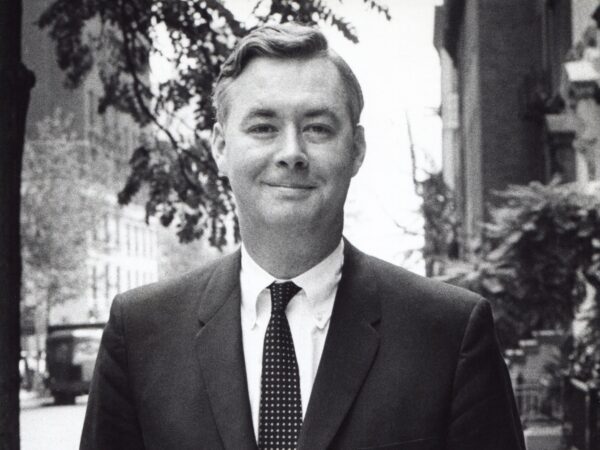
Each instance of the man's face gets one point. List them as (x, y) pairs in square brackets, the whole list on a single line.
[(288, 145)]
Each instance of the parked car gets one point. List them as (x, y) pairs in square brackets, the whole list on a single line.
[(71, 351)]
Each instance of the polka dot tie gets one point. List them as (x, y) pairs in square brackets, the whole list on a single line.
[(280, 417)]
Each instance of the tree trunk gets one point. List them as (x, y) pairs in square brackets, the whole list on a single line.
[(15, 85)]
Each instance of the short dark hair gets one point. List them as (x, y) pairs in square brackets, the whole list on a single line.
[(285, 41)]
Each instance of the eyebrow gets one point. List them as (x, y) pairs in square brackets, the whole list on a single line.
[(269, 114), (259, 112), (323, 112)]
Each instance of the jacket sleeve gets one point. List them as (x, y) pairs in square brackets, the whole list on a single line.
[(111, 421), (483, 411)]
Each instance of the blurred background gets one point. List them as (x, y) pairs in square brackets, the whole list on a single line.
[(482, 121)]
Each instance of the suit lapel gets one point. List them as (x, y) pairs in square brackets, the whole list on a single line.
[(350, 347), (220, 353)]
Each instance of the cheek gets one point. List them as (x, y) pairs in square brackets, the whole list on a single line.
[(243, 169), (339, 164), (236, 159)]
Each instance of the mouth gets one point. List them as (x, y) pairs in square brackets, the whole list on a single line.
[(291, 186)]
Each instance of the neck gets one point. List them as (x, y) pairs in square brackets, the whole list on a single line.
[(287, 253)]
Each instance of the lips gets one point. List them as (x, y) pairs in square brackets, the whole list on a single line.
[(288, 185)]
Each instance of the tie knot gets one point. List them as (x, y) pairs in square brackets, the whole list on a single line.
[(281, 294)]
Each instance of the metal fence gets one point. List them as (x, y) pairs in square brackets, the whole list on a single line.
[(581, 404), (538, 403)]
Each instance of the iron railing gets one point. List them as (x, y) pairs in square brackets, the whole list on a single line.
[(581, 404)]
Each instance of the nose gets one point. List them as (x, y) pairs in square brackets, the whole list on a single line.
[(292, 152)]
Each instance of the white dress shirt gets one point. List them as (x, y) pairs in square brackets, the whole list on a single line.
[(308, 314)]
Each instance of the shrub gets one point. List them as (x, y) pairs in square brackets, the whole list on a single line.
[(539, 260)]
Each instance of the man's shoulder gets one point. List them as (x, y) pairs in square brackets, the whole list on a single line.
[(179, 290), (399, 288)]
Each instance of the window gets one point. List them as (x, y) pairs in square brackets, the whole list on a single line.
[(107, 281), (94, 154), (145, 242), (133, 241), (94, 228), (138, 247), (94, 282), (106, 220), (118, 279), (116, 221), (556, 40), (82, 161), (92, 108), (128, 238)]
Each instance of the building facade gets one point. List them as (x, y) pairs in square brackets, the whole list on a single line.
[(518, 102), (122, 250)]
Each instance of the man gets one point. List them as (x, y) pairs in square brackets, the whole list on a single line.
[(297, 340)]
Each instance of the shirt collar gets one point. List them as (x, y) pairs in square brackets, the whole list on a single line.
[(319, 284)]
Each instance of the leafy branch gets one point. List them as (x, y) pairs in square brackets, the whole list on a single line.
[(119, 37)]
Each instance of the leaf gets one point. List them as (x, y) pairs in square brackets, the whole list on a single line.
[(541, 260), (117, 38), (492, 285)]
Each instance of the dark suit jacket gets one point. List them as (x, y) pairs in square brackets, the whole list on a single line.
[(408, 364)]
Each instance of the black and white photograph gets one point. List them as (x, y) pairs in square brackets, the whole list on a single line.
[(300, 224)]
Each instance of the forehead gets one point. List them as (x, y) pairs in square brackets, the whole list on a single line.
[(288, 86)]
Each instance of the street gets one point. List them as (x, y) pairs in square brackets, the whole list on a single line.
[(45, 426)]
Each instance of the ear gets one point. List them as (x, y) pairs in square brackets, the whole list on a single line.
[(218, 147), (359, 147)]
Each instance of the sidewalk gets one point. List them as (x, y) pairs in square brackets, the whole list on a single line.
[(33, 399), (544, 437)]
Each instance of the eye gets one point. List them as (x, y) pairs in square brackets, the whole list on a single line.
[(318, 130), (262, 129)]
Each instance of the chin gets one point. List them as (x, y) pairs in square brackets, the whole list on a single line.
[(289, 218)]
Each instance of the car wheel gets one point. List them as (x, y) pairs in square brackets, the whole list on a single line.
[(60, 398)]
